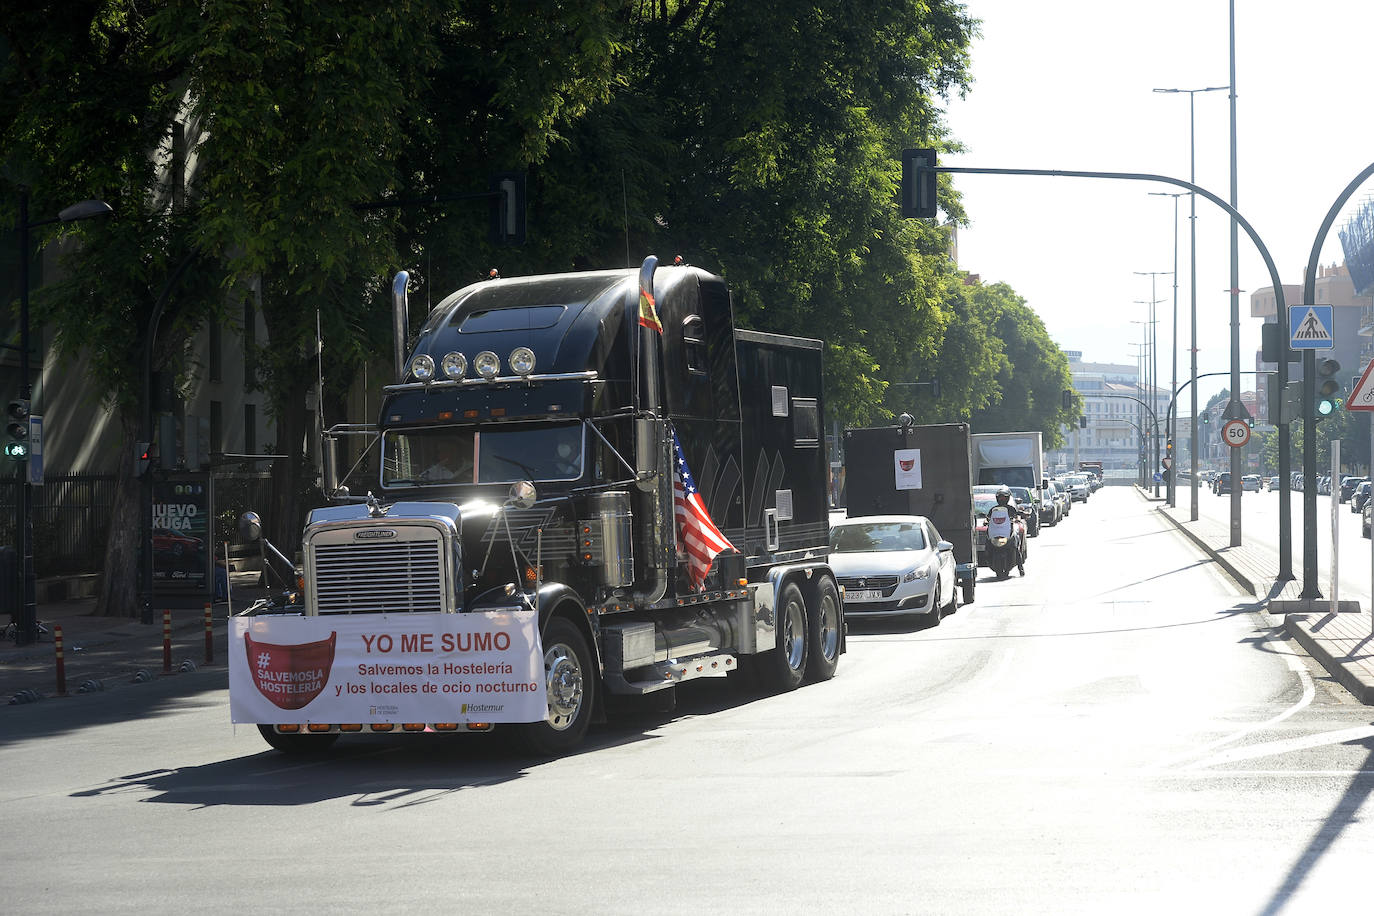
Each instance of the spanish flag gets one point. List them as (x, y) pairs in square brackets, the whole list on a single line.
[(648, 315)]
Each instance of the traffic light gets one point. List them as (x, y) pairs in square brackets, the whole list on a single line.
[(1328, 388), (935, 388), (143, 458), (918, 183), (1067, 398), (17, 431)]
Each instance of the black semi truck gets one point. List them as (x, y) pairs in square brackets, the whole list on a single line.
[(534, 435)]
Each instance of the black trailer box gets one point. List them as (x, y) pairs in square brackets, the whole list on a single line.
[(915, 470)]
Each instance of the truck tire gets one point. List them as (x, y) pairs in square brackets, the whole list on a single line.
[(969, 587), (571, 684), (303, 745), (824, 622), (785, 666)]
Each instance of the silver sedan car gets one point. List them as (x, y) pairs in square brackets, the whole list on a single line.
[(894, 566)]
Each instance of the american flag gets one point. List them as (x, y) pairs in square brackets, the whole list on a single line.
[(700, 538)]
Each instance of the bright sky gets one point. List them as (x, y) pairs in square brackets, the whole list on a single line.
[(1067, 84)]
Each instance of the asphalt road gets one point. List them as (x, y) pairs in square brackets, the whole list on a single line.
[(1118, 732)]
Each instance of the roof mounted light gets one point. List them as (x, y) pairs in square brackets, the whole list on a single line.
[(522, 361), (487, 364), (422, 368), (455, 365)]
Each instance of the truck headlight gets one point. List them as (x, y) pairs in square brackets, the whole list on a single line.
[(455, 365), (522, 360), (422, 368), (487, 364)]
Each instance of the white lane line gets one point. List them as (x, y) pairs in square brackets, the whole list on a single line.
[(1272, 748), (1309, 693)]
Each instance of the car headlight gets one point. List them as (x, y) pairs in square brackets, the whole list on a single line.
[(916, 575)]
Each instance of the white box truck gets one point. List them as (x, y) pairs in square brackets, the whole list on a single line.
[(1014, 459)]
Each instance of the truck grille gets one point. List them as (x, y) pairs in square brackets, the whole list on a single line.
[(377, 577)]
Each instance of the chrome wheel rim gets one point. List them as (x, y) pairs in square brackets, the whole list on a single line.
[(830, 627), (563, 677), (794, 634)]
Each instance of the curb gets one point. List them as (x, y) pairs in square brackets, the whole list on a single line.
[(1359, 683), (1231, 570)]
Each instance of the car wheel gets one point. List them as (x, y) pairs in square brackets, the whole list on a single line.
[(824, 621), (953, 605), (937, 607)]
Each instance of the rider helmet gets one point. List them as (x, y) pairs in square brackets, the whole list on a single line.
[(1004, 494)]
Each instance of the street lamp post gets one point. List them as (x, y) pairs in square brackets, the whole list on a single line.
[(86, 209), (1173, 351), (1154, 357), (1192, 267)]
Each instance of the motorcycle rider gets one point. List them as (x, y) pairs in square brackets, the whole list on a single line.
[(1002, 524)]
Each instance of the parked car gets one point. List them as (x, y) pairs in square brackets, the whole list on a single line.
[(1324, 486), (1222, 485), (1348, 485), (1364, 517), (1359, 497), (1273, 483), (1250, 482), (894, 566)]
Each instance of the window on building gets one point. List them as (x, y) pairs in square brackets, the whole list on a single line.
[(250, 429), (216, 355), (250, 356), (216, 427)]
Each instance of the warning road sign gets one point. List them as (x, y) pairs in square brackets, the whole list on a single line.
[(1362, 394), (1310, 327)]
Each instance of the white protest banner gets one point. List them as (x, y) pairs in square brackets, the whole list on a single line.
[(481, 667)]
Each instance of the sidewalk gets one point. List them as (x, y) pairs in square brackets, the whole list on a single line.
[(105, 653), (1343, 643)]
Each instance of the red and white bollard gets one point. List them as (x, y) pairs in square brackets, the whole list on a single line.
[(209, 636), (166, 641), (61, 663)]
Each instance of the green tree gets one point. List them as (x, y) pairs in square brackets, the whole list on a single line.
[(86, 111), (1032, 380)]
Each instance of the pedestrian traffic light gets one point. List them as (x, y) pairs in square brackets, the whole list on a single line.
[(1328, 388), (918, 183), (17, 430), (143, 458)]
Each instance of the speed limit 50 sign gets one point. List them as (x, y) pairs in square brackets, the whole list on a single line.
[(1236, 433)]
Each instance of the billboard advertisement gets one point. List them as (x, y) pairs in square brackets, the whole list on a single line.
[(182, 553)]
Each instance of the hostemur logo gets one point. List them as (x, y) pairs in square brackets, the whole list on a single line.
[(469, 708)]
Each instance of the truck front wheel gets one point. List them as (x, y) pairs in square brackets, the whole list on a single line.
[(570, 680), (787, 662)]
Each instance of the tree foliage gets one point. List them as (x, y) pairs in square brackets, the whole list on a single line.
[(760, 141)]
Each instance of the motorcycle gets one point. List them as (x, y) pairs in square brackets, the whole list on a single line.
[(1005, 551)]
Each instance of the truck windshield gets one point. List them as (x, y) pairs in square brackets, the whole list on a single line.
[(448, 455), (1012, 477)]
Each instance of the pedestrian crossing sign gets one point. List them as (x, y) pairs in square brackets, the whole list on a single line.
[(1310, 327)]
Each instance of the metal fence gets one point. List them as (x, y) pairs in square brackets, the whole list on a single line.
[(72, 516)]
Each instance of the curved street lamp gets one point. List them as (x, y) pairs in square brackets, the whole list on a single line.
[(86, 209)]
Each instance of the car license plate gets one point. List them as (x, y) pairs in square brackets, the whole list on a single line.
[(863, 594)]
